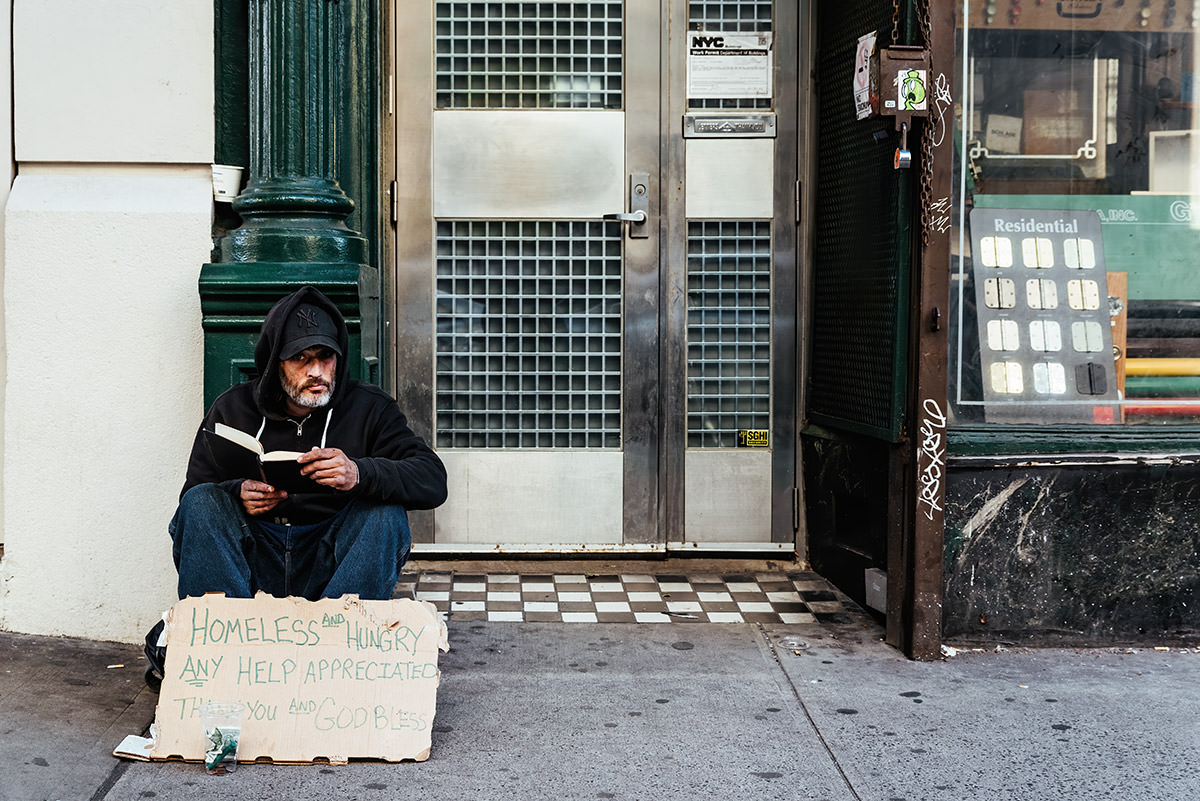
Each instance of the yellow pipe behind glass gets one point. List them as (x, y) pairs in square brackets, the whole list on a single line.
[(1162, 367)]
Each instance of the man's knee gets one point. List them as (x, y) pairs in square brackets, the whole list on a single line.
[(205, 499), (205, 504), (380, 517), (206, 513), (394, 520), (372, 525)]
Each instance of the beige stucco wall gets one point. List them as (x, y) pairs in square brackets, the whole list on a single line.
[(106, 228), (116, 81), (7, 173)]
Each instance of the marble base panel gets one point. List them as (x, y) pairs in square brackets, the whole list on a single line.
[(1073, 553)]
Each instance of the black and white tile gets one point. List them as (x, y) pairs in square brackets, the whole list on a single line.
[(787, 598)]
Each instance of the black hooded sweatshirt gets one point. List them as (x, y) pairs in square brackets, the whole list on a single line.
[(395, 466)]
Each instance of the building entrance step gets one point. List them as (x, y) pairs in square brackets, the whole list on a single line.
[(772, 597)]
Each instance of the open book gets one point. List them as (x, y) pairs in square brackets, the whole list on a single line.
[(242, 456)]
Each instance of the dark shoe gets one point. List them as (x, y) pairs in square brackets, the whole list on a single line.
[(156, 658)]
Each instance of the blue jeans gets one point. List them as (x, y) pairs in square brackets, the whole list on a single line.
[(219, 548)]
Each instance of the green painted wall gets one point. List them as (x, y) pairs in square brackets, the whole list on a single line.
[(296, 227)]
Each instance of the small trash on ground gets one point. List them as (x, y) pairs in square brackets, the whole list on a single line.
[(794, 644), (135, 747), (949, 651)]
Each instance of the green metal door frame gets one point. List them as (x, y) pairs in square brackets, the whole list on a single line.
[(300, 96)]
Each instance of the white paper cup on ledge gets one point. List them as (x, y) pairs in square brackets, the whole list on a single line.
[(227, 181), (222, 721)]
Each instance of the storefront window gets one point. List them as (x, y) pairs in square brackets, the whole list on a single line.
[(1075, 272)]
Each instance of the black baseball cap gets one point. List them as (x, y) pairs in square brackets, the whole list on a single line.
[(307, 326)]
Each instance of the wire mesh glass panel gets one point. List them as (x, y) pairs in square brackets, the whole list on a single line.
[(741, 16), (529, 55), (728, 331), (528, 334), (730, 16)]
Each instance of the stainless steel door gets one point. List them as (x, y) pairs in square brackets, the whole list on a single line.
[(730, 311), (544, 238)]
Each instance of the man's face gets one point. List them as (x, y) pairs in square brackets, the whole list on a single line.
[(307, 377)]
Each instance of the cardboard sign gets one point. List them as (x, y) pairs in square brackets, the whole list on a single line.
[(329, 679)]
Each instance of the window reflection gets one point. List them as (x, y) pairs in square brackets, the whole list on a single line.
[(1075, 277)]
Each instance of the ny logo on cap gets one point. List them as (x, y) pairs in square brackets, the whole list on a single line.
[(307, 318)]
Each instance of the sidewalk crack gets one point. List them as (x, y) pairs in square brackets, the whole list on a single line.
[(115, 774), (762, 632)]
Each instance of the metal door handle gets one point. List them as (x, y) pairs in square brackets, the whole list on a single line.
[(623, 216), (639, 207)]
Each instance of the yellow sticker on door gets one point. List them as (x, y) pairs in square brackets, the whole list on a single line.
[(752, 438)]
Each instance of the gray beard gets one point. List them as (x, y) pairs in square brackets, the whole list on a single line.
[(308, 402)]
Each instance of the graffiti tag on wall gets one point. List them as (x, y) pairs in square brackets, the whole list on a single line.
[(931, 458)]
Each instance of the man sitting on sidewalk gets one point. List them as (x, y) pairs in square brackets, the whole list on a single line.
[(239, 536)]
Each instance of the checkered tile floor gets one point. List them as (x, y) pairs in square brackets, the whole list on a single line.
[(793, 597)]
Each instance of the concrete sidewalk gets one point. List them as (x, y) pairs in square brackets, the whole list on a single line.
[(645, 711)]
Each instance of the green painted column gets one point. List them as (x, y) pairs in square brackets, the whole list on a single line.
[(293, 211)]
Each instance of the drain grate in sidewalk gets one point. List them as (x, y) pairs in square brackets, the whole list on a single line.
[(793, 597)]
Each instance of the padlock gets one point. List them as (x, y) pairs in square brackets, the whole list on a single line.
[(903, 158)]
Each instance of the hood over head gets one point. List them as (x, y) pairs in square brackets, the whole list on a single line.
[(302, 319)]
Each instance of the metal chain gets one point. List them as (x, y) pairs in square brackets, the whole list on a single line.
[(895, 22), (923, 20)]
